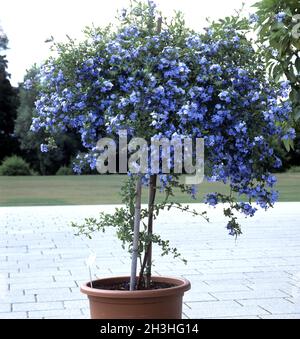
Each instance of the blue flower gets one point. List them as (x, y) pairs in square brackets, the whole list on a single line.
[(27, 84), (277, 163), (134, 97), (241, 127), (80, 105), (280, 16), (271, 180), (290, 134), (253, 18), (44, 148), (60, 76), (216, 68), (106, 86), (274, 53), (194, 191), (133, 116), (225, 96), (211, 199), (247, 209), (255, 97), (217, 119)]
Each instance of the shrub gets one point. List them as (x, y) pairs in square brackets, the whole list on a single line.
[(158, 80), (14, 166), (64, 170)]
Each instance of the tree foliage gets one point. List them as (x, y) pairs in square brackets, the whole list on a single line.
[(278, 26), (169, 83), (8, 105), (3, 47)]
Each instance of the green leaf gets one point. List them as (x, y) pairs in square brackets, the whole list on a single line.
[(264, 31), (288, 12), (287, 145), (297, 64), (296, 113), (295, 96), (277, 72)]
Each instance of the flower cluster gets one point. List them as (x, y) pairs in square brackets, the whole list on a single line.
[(253, 18), (279, 17), (172, 83)]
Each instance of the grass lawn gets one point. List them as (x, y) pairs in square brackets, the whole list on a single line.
[(94, 190)]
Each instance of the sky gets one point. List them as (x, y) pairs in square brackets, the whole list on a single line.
[(28, 23)]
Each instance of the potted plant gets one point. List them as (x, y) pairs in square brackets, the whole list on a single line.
[(154, 79)]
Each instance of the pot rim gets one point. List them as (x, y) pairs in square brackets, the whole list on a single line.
[(182, 285)]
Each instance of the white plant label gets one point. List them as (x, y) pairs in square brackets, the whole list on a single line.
[(90, 263)]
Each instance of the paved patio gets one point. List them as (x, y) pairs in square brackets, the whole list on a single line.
[(258, 276)]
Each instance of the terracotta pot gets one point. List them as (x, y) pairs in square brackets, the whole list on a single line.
[(155, 304)]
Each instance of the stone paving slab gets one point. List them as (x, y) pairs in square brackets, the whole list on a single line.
[(220, 309), (42, 263)]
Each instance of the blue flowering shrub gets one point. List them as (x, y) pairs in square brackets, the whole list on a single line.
[(164, 82)]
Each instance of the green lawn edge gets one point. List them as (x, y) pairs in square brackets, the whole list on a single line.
[(104, 190)]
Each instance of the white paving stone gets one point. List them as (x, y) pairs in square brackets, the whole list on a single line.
[(13, 315), (56, 314), (37, 306), (281, 316), (249, 295), (258, 276), (221, 309)]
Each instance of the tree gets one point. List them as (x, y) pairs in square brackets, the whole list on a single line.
[(3, 47), (8, 105), (159, 80), (278, 26)]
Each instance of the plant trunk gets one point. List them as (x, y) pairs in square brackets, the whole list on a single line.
[(147, 262), (152, 195), (137, 221)]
